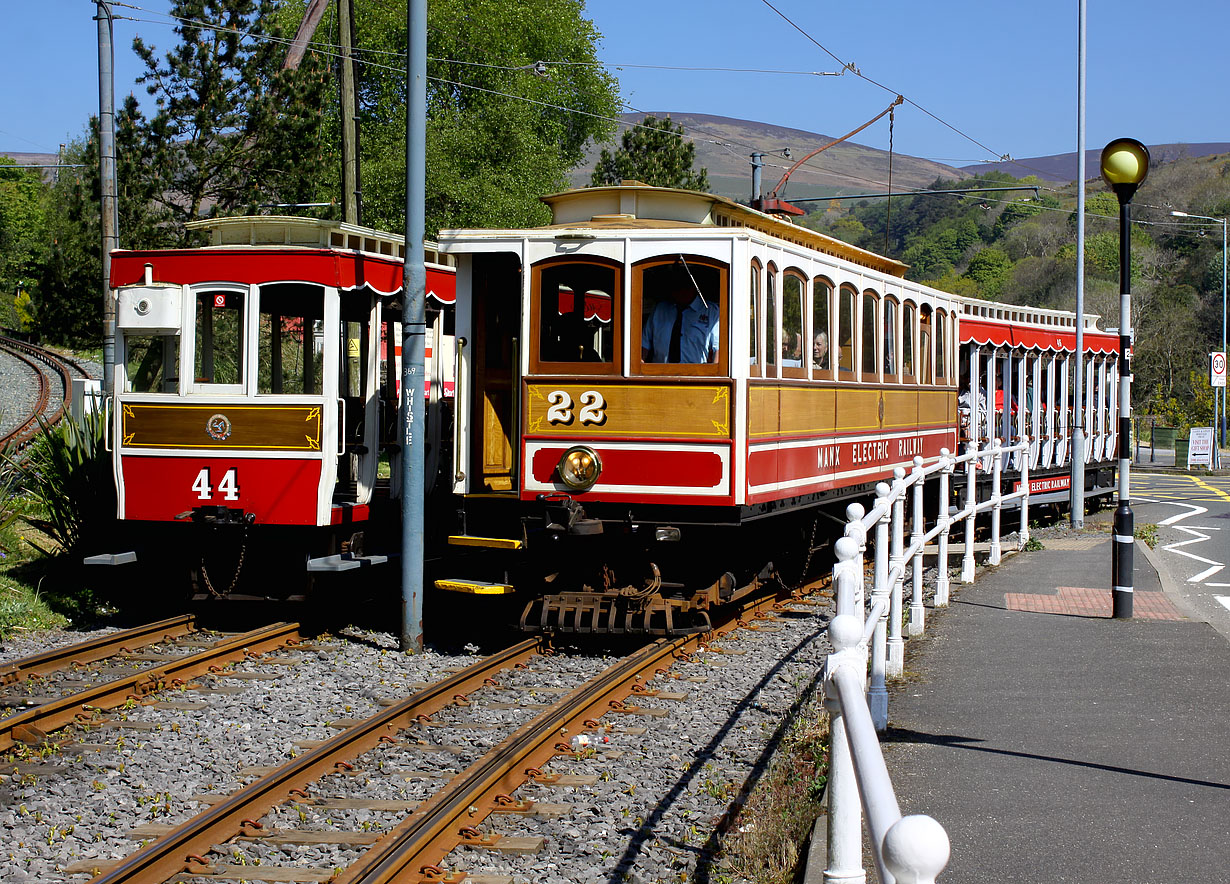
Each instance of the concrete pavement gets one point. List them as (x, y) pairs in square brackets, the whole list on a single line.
[(1058, 745)]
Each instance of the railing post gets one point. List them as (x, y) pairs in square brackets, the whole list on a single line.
[(997, 504), (855, 529), (1024, 532), (971, 518), (845, 575), (845, 813), (918, 529), (916, 850), (941, 564), (896, 641), (877, 693)]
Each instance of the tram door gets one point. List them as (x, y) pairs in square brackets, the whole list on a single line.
[(495, 440)]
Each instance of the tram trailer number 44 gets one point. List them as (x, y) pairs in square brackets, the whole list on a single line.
[(228, 487), (1217, 369)]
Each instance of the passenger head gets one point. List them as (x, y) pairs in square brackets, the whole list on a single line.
[(820, 346)]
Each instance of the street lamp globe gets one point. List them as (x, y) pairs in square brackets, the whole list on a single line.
[(1125, 165)]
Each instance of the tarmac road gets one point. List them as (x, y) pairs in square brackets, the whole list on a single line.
[(1192, 555)]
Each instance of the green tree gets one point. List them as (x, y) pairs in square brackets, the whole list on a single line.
[(653, 151), (991, 269), (514, 93), (23, 240), (232, 129)]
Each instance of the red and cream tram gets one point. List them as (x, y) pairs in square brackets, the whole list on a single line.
[(663, 396), (254, 422)]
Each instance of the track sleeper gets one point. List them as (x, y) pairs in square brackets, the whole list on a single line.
[(257, 873)]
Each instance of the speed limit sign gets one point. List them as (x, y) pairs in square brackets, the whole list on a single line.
[(1217, 369)]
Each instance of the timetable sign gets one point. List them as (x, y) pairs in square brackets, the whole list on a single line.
[(1217, 369)]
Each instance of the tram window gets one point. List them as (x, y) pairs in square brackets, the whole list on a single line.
[(845, 329), (685, 293), (890, 339), (576, 310), (151, 363), (924, 346), (941, 343), (219, 338), (870, 367), (792, 325), (907, 341), (821, 293), (772, 347), (753, 327), (289, 344)]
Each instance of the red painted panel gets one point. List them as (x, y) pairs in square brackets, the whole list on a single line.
[(277, 491), (339, 269), (645, 469), (1001, 334), (818, 467)]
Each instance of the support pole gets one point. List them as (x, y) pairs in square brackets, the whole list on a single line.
[(414, 330), (877, 692), (917, 530), (351, 200), (1076, 498), (107, 179)]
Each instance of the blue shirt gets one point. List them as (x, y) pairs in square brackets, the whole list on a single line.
[(698, 341)]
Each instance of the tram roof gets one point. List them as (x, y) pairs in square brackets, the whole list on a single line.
[(633, 205)]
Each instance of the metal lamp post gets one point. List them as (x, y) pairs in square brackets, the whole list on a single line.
[(1125, 163), (1221, 422)]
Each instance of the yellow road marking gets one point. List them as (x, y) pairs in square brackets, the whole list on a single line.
[(1206, 486)]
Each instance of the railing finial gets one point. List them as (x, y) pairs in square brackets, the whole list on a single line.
[(916, 849)]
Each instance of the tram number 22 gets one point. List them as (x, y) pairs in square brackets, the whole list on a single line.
[(559, 410), (228, 487)]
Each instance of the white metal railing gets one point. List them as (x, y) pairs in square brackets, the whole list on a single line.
[(913, 849)]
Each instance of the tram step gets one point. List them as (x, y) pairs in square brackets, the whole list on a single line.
[(123, 558), (476, 587), (488, 542), (344, 562)]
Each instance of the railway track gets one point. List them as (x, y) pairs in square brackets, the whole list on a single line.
[(54, 375), (389, 746)]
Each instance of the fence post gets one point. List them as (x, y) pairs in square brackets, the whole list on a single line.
[(877, 693), (917, 612), (1023, 540), (845, 825), (844, 574), (971, 500), (997, 467), (916, 849), (855, 529), (896, 566), (941, 565)]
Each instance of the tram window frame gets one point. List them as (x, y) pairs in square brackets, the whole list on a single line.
[(539, 365), (708, 267), (890, 312), (845, 324), (755, 272), (818, 284), (909, 342), (869, 336), (310, 321), (201, 296), (941, 360), (794, 332), (152, 368), (773, 338)]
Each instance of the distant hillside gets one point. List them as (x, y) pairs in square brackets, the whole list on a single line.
[(1061, 167), (723, 146)]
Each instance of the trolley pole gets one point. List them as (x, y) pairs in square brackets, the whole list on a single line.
[(1125, 164), (414, 330), (106, 170)]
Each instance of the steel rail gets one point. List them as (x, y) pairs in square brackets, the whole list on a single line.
[(33, 724), (97, 648), (173, 853), (28, 428), (413, 850)]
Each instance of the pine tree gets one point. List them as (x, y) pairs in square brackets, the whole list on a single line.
[(654, 152), (233, 130)]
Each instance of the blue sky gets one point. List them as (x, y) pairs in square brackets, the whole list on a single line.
[(1000, 77)]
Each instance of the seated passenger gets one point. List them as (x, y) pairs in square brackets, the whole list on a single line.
[(820, 350), (792, 350), (683, 327)]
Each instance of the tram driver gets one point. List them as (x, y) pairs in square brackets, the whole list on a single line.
[(683, 326)]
